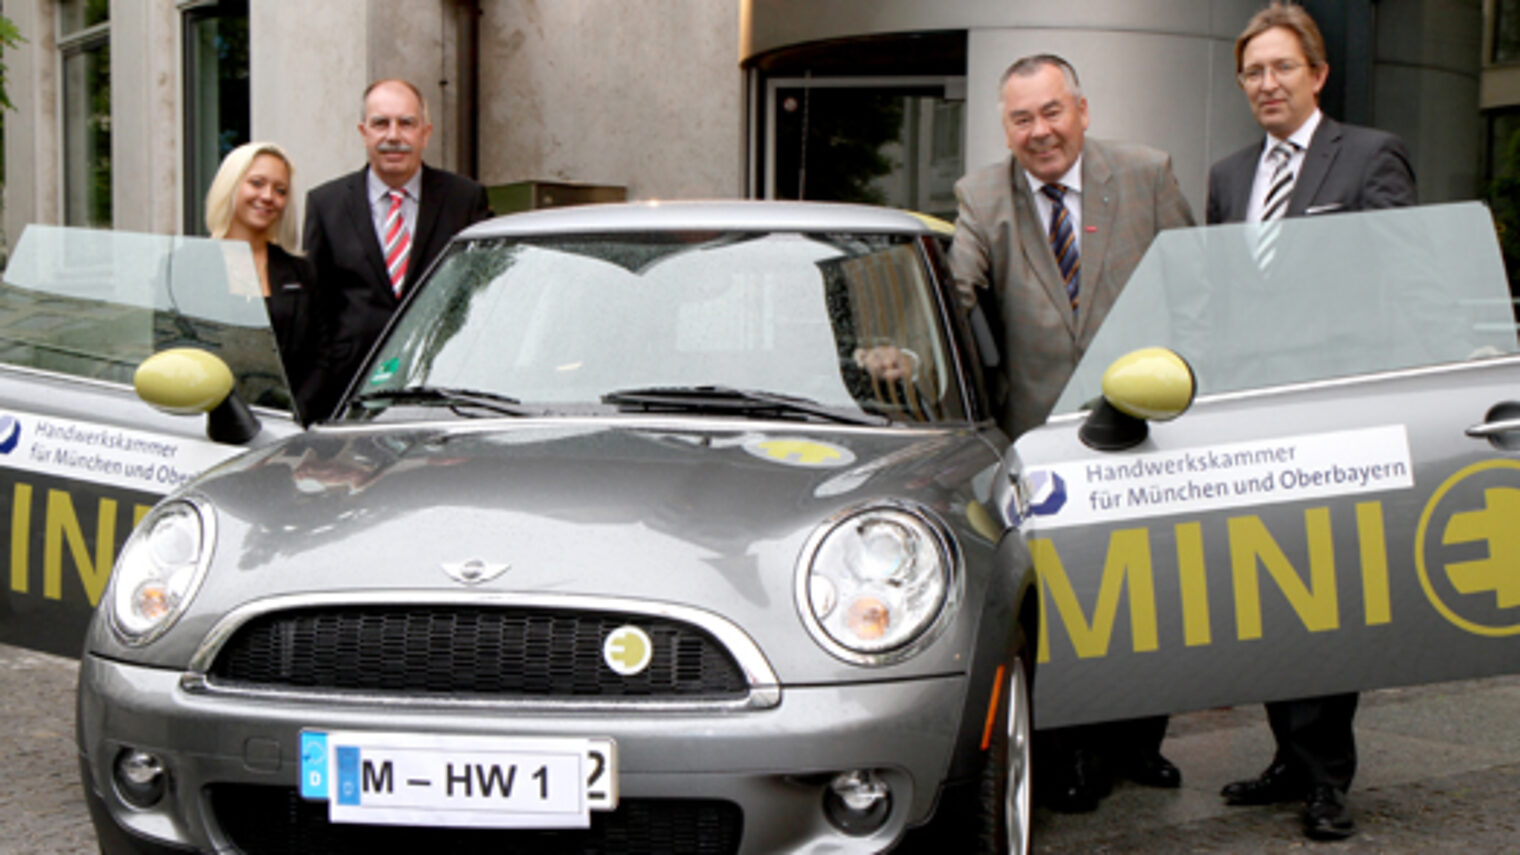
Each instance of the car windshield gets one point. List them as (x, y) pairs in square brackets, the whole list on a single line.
[(1340, 295), (94, 304), (772, 324)]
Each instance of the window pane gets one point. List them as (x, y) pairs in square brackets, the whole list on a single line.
[(87, 135), (1348, 294), (76, 15), (1507, 31), (216, 98), (1504, 186), (896, 147), (96, 303)]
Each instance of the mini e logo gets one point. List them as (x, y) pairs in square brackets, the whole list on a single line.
[(627, 650)]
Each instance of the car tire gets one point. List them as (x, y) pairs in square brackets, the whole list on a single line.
[(1005, 798), (990, 815)]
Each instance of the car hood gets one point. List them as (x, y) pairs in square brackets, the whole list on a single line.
[(714, 518)]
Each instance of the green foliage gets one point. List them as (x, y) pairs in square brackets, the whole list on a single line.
[(9, 37)]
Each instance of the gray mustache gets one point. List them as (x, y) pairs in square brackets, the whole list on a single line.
[(396, 147)]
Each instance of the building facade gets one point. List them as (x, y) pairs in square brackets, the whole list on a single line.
[(124, 107)]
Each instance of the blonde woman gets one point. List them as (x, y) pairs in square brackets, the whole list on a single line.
[(247, 202)]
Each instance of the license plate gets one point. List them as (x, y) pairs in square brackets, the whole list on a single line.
[(458, 781)]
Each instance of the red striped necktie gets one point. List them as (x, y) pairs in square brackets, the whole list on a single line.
[(398, 242)]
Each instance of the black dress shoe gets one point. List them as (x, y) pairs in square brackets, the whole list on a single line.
[(1078, 785), (1152, 770), (1326, 816), (1277, 784)]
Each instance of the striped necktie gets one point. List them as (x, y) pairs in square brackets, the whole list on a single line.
[(1276, 204), (1063, 241), (398, 242)]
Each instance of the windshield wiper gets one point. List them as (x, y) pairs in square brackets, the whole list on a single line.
[(726, 399), (452, 398)]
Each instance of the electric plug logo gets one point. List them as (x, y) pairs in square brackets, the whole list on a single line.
[(627, 650), (1467, 548)]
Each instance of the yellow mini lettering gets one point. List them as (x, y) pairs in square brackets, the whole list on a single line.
[(1374, 544), (1191, 575), (1252, 546), (62, 526), (21, 536), (1128, 563)]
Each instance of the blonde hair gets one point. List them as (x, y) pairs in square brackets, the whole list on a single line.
[(224, 186)]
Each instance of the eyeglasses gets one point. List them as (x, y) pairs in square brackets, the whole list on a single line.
[(1257, 74)]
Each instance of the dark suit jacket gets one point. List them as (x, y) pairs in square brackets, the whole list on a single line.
[(1129, 193), (1346, 168), (292, 281), (354, 299)]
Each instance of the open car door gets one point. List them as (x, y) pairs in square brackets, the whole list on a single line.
[(82, 456), (1339, 509)]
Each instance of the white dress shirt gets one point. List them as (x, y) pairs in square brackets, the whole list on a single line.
[(1072, 181), (1264, 167)]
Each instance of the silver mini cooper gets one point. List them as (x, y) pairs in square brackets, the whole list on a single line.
[(645, 528)]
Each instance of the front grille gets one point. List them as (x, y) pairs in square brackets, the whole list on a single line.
[(449, 651), (261, 819)]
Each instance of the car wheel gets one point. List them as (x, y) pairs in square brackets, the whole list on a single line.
[(1005, 792), (991, 816)]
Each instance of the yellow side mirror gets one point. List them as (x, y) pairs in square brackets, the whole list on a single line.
[(183, 381), (186, 381), (1150, 384)]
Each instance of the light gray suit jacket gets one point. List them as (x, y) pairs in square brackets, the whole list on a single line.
[(1129, 194)]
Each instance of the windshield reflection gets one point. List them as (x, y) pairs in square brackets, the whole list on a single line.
[(562, 322)]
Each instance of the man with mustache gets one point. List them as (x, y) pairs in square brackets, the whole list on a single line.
[(1045, 240), (373, 233)]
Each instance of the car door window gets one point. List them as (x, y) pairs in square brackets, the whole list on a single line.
[(1343, 295), (94, 304)]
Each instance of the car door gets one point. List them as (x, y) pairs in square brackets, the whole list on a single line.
[(1337, 511), (82, 458)]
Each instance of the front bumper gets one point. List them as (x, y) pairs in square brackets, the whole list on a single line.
[(773, 764)]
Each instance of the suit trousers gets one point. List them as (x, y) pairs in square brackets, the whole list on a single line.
[(1315, 739)]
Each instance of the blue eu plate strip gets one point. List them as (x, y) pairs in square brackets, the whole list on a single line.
[(313, 765)]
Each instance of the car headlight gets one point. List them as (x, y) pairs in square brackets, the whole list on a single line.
[(160, 569), (876, 582)]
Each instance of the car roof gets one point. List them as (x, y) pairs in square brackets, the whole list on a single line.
[(714, 215)]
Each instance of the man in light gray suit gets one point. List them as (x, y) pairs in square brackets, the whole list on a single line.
[(1306, 164), (1116, 197), (1048, 237)]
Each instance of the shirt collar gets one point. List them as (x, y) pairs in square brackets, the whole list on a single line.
[(1072, 180), (378, 189), (1301, 137)]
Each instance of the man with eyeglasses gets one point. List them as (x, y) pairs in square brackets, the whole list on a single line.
[(373, 233), (1308, 164), (1045, 240)]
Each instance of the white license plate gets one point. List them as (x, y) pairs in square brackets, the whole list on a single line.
[(459, 781)]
